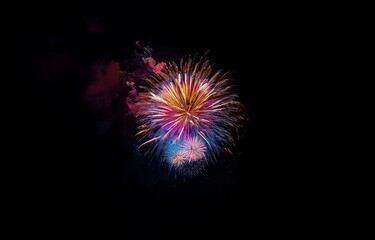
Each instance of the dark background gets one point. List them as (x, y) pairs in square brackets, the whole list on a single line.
[(79, 178)]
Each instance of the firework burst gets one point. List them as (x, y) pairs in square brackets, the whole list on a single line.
[(193, 149), (188, 115)]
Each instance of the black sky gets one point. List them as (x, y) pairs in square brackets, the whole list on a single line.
[(80, 177)]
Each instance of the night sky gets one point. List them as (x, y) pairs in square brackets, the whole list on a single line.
[(87, 172)]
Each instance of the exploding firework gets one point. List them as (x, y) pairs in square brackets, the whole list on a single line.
[(188, 157), (193, 149), (188, 115)]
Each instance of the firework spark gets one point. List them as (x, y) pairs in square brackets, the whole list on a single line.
[(188, 113)]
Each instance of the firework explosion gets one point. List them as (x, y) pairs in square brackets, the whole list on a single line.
[(188, 115)]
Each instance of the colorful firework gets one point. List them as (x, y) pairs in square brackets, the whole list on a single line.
[(193, 149), (188, 115)]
